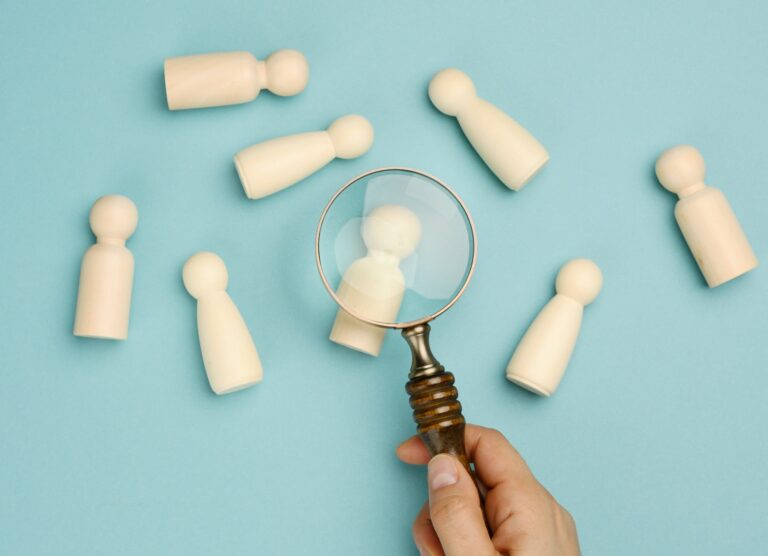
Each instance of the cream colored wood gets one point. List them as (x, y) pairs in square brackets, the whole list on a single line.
[(373, 286), (271, 166), (509, 150), (224, 78), (106, 274), (705, 217), (543, 353), (229, 354)]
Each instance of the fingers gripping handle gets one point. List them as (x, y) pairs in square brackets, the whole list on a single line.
[(434, 399)]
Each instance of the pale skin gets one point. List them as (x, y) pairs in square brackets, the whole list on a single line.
[(523, 519)]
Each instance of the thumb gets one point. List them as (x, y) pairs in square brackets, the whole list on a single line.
[(454, 507)]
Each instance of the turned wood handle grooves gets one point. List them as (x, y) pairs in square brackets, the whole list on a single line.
[(434, 399)]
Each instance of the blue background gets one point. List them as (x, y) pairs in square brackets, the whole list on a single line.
[(656, 439)]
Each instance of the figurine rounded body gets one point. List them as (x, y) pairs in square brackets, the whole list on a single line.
[(229, 354), (714, 236), (104, 299), (106, 274), (541, 357), (372, 286)]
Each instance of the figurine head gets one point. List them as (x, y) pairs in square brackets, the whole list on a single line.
[(114, 217), (204, 273), (351, 136), (450, 90), (392, 229), (680, 168), (287, 72), (579, 279)]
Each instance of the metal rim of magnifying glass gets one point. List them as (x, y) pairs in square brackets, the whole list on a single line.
[(445, 307)]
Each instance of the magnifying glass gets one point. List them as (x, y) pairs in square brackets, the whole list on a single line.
[(396, 248)]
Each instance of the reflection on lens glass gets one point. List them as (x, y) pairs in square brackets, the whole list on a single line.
[(397, 245)]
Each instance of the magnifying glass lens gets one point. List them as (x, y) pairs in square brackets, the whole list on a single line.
[(395, 247)]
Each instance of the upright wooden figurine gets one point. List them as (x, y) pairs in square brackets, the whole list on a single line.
[(224, 78), (106, 274), (705, 217)]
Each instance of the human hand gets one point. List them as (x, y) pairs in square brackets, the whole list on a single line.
[(524, 519)]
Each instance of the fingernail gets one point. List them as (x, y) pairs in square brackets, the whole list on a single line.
[(441, 472)]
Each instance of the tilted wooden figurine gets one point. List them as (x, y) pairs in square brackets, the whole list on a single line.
[(374, 285), (705, 217), (229, 355), (269, 167), (106, 274), (224, 78), (543, 354), (509, 150)]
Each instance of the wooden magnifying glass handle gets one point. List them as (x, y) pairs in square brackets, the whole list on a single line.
[(434, 399)]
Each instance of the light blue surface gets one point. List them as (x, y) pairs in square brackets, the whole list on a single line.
[(656, 440)]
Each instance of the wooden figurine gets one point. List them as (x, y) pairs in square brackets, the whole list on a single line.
[(543, 354), (509, 150), (373, 285), (273, 165), (705, 217), (229, 355), (106, 274), (224, 78)]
